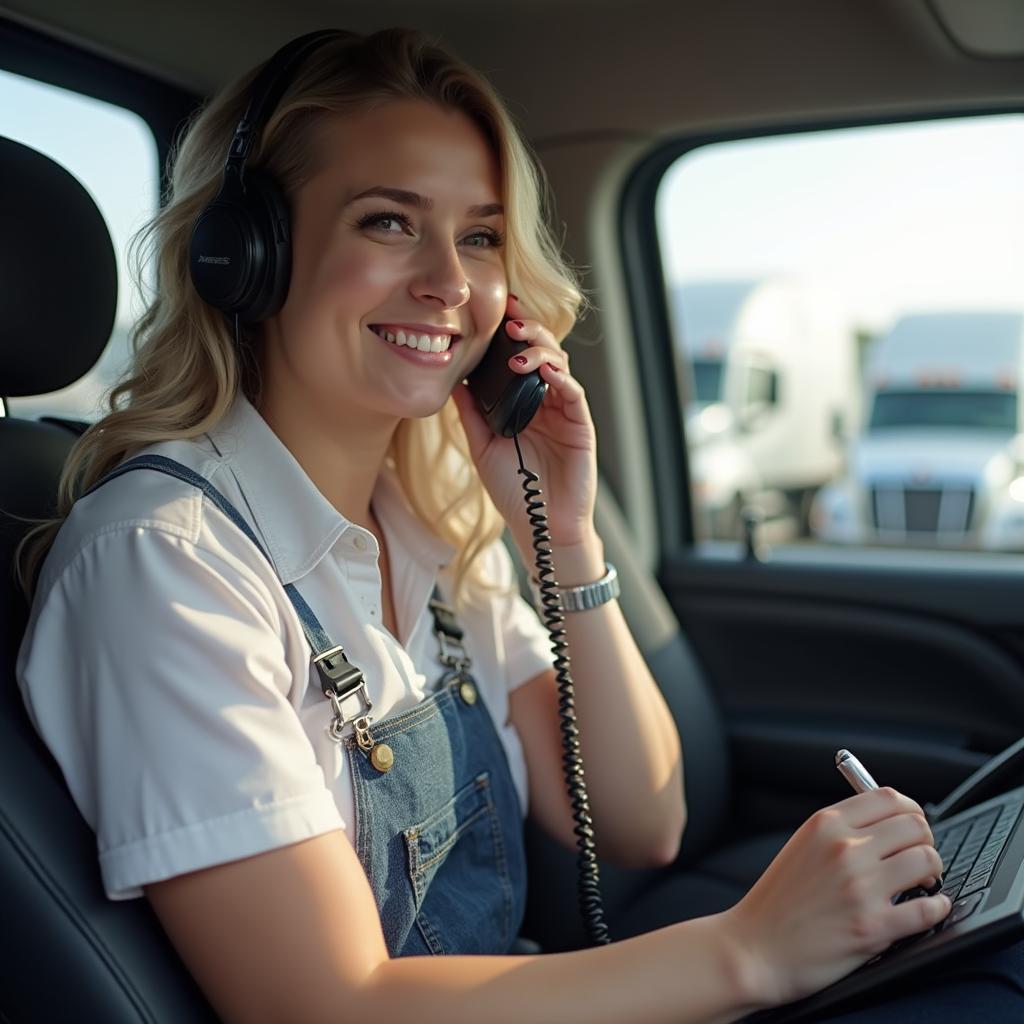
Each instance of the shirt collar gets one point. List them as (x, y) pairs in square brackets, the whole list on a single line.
[(296, 523)]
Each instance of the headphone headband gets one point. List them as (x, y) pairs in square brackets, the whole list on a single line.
[(240, 253), (266, 92)]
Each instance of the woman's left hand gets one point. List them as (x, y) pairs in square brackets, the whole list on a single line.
[(559, 444)]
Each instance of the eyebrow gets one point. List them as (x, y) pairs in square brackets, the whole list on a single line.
[(414, 199)]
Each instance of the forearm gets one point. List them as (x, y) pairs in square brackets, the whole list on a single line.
[(629, 741), (685, 972)]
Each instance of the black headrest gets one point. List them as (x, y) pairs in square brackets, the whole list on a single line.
[(58, 275)]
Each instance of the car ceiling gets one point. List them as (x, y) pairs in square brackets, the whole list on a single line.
[(641, 69)]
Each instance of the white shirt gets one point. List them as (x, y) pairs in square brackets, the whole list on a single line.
[(168, 673)]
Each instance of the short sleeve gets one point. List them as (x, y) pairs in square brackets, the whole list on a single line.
[(525, 639), (156, 674)]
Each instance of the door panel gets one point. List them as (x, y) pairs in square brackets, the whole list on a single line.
[(919, 671)]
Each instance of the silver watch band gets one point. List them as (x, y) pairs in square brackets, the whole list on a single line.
[(588, 595)]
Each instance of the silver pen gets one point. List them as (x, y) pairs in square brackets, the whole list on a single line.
[(860, 779), (854, 772)]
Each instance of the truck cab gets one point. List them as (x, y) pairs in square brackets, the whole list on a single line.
[(941, 458), (773, 370)]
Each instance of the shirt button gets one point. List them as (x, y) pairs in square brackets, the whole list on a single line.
[(359, 542)]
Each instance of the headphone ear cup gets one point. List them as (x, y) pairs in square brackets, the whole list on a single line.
[(270, 218), (240, 254)]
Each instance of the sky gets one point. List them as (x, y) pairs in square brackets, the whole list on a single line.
[(893, 218)]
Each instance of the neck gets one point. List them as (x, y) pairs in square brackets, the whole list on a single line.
[(342, 455)]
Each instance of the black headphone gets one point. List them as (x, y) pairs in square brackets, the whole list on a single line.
[(240, 255)]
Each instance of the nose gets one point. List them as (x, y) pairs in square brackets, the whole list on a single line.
[(441, 276)]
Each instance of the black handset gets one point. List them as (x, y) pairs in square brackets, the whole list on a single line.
[(507, 399)]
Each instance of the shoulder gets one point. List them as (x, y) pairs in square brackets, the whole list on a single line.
[(147, 505)]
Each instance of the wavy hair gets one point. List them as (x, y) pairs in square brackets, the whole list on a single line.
[(186, 367)]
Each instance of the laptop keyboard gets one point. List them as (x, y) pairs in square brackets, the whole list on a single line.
[(970, 850)]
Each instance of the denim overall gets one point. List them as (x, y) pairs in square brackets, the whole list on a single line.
[(438, 827)]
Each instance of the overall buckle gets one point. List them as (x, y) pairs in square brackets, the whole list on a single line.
[(339, 680)]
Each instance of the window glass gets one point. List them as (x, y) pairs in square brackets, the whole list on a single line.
[(112, 152), (760, 386), (848, 318)]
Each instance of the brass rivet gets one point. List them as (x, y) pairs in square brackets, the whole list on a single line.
[(382, 757), (467, 691)]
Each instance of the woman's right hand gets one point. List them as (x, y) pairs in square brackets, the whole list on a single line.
[(824, 905)]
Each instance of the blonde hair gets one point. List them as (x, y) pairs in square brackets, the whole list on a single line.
[(187, 369)]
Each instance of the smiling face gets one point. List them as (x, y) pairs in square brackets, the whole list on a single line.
[(396, 238)]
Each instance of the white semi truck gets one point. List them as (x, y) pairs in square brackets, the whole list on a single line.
[(774, 384), (940, 462)]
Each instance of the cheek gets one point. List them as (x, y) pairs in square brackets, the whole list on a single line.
[(488, 289), (359, 271)]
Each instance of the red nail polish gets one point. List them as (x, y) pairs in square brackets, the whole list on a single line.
[(518, 323), (521, 360)]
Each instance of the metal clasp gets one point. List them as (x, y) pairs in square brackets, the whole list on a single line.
[(453, 654), (449, 636), (340, 679)]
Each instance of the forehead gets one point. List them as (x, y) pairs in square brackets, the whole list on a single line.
[(415, 145)]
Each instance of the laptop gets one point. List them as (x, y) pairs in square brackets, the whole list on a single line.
[(983, 850)]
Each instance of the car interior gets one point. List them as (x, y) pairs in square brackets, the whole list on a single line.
[(768, 664)]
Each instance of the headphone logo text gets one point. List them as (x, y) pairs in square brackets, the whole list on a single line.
[(222, 260)]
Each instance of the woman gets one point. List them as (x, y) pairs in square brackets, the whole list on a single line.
[(305, 854)]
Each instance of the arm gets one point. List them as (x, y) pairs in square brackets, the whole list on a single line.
[(629, 741), (293, 934)]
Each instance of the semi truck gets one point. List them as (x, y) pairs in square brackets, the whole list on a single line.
[(772, 374), (940, 462)]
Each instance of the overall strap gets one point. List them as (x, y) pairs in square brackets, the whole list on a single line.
[(449, 634), (338, 676)]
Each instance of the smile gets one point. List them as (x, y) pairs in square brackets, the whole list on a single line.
[(409, 339)]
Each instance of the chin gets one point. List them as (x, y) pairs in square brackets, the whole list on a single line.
[(421, 409)]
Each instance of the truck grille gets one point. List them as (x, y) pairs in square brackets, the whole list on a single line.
[(900, 511)]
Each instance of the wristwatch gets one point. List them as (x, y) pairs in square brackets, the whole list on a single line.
[(589, 595)]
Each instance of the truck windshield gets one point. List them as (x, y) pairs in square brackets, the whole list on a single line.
[(987, 410), (707, 380)]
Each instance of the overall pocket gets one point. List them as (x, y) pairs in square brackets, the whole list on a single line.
[(459, 874)]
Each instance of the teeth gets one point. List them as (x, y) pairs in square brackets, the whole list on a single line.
[(422, 342)]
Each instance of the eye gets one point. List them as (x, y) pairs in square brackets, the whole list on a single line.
[(383, 218), (487, 239)]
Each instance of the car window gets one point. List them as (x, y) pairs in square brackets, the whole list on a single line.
[(848, 319), (113, 153)]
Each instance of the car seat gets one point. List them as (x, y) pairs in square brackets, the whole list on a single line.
[(68, 953)]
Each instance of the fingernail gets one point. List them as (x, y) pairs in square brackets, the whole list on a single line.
[(522, 360), (511, 296), (518, 323), (557, 369)]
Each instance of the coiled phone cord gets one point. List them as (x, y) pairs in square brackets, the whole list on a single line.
[(590, 903)]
